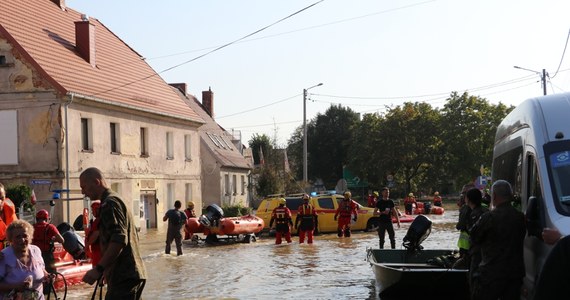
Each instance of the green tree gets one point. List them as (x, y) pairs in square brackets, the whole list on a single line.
[(469, 124)]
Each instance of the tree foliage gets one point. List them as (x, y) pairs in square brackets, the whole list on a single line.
[(423, 148)]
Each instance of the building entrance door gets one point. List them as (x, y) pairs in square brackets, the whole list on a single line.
[(148, 209)]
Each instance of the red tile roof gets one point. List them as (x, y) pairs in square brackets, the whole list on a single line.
[(46, 33)]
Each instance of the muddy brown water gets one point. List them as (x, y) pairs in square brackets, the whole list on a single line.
[(331, 268)]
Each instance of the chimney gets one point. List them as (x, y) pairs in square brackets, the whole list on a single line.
[(85, 39), (180, 86), (208, 101), (60, 3)]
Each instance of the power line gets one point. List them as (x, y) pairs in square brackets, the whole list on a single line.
[(562, 58), (300, 29), (211, 51), (260, 107)]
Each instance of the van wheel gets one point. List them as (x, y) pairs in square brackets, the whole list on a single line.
[(372, 224)]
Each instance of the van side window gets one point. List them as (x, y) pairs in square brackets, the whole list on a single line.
[(534, 188), (326, 203)]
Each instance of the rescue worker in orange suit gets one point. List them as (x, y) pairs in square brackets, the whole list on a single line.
[(308, 218), (347, 210), (437, 199), (372, 199), (409, 203), (190, 213), (7, 215), (283, 221), (45, 234), (92, 235)]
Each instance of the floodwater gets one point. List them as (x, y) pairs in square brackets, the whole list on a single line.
[(331, 268)]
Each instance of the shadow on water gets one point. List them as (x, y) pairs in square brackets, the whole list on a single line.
[(331, 268)]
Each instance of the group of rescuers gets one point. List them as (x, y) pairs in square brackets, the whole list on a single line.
[(306, 221)]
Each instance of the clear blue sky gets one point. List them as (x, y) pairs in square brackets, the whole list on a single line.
[(369, 54)]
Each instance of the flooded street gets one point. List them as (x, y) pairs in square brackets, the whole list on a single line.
[(331, 268)]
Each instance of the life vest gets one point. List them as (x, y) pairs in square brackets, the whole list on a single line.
[(307, 213), (42, 236), (346, 208), (282, 215)]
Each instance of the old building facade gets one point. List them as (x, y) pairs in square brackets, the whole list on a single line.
[(72, 96)]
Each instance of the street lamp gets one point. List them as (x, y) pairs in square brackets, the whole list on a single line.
[(542, 77), (305, 175)]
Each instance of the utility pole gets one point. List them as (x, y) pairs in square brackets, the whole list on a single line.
[(305, 170), (544, 81), (542, 77)]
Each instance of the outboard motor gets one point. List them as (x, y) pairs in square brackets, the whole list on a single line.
[(72, 242), (212, 216), (419, 230)]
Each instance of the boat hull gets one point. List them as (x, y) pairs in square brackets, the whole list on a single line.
[(249, 224), (401, 272)]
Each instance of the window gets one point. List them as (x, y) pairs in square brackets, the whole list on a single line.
[(170, 194), (169, 145), (144, 142), (9, 132), (115, 141), (326, 203), (86, 135), (227, 184), (234, 184), (188, 147), (243, 184), (188, 192)]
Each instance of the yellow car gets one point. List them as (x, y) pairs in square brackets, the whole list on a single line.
[(325, 205)]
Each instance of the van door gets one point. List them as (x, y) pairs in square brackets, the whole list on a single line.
[(326, 208)]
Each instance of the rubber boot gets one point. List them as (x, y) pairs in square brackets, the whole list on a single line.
[(339, 233), (347, 232)]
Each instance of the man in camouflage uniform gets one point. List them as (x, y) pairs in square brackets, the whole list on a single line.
[(121, 262)]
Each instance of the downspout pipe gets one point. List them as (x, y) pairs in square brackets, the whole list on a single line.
[(67, 155)]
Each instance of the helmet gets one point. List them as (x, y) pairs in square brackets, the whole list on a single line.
[(42, 214), (190, 204), (410, 194), (436, 193), (347, 195), (282, 201), (376, 194), (305, 197), (95, 204)]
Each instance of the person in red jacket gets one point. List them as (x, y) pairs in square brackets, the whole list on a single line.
[(190, 213), (7, 215), (45, 234), (409, 203), (92, 235), (372, 199), (308, 218), (346, 212), (437, 199), (283, 221)]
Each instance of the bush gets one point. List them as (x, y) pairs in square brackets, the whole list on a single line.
[(236, 210), (19, 193)]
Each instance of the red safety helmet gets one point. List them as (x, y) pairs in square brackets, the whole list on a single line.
[(42, 214)]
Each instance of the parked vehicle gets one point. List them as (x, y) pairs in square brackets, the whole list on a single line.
[(326, 206), (532, 152)]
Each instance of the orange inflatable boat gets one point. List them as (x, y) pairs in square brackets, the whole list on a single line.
[(213, 224)]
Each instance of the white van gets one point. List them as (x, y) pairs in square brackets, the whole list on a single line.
[(532, 152)]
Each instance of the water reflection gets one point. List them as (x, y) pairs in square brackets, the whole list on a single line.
[(331, 268)]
